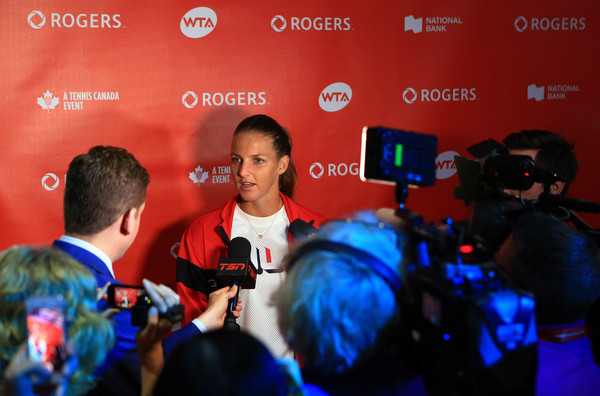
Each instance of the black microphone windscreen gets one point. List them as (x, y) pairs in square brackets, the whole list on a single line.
[(300, 229), (239, 247)]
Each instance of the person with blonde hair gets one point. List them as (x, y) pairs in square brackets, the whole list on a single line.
[(29, 271)]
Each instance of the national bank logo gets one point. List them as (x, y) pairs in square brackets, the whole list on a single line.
[(37, 20), (412, 95), (217, 175), (335, 97), (198, 22), (523, 24), (432, 24), (550, 92), (279, 23), (209, 99)]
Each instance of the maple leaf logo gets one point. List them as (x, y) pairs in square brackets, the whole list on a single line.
[(199, 175), (48, 101)]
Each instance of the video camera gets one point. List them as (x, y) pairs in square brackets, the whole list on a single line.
[(482, 184), (470, 331)]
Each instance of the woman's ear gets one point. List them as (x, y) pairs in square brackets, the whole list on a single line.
[(284, 162)]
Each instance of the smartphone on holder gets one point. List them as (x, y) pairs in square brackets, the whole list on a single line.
[(126, 297), (46, 333)]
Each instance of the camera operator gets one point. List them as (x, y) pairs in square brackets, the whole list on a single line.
[(339, 310), (551, 152), (559, 264)]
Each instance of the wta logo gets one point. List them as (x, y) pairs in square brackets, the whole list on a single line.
[(335, 97), (198, 22)]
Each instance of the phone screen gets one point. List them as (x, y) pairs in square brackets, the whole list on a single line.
[(46, 329), (125, 297)]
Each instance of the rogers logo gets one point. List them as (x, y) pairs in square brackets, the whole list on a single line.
[(316, 170), (185, 99), (50, 181), (175, 249), (445, 165), (544, 24), (68, 20), (335, 97), (409, 95), (278, 23), (520, 24), (36, 15), (198, 22)]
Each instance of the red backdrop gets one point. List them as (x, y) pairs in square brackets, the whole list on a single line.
[(169, 81)]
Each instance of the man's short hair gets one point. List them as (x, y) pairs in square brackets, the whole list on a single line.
[(555, 152), (101, 186), (559, 264)]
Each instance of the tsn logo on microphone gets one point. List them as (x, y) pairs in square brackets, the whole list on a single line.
[(236, 269)]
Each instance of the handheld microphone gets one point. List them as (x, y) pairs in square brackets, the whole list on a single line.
[(236, 269), (302, 230)]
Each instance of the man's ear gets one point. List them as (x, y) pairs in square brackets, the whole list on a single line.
[(557, 187), (284, 162), (127, 221)]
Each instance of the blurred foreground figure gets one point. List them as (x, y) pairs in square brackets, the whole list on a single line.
[(559, 264), (221, 363), (339, 312), (27, 272)]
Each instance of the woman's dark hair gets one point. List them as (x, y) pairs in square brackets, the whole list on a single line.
[(282, 143)]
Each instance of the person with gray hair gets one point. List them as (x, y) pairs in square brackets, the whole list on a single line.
[(339, 305)]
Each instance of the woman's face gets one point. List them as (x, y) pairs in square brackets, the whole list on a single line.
[(255, 167)]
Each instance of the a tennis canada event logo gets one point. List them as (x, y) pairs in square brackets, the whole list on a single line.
[(198, 22), (47, 101), (335, 97), (217, 175)]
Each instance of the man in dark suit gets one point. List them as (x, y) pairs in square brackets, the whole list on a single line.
[(104, 199)]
